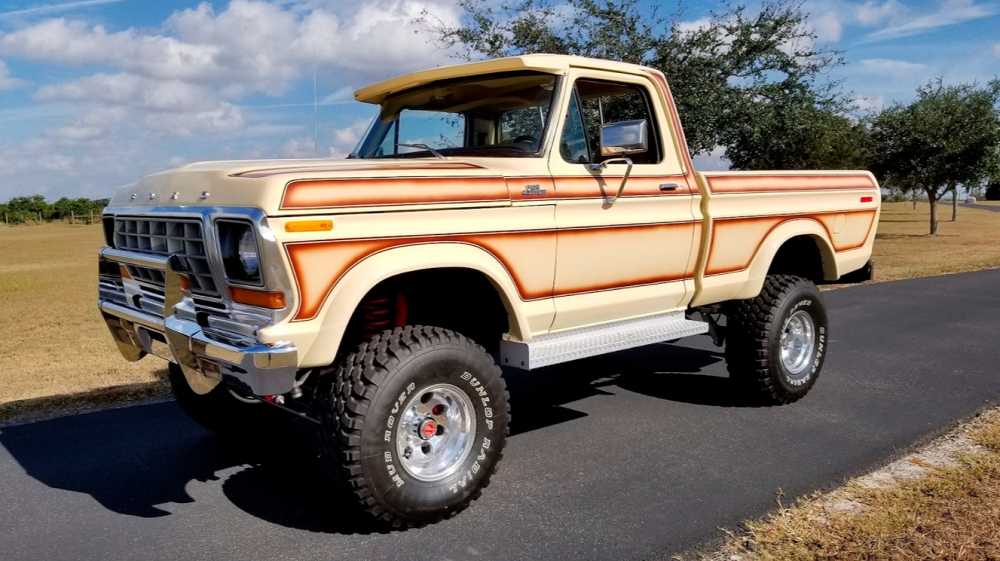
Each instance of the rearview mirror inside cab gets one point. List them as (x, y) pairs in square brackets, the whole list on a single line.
[(626, 137)]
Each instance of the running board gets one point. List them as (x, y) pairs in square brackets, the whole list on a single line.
[(564, 346)]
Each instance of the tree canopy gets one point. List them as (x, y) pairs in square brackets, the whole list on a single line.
[(948, 136), (750, 82), (19, 210)]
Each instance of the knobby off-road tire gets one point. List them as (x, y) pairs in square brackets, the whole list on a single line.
[(776, 342), (377, 403), (222, 412)]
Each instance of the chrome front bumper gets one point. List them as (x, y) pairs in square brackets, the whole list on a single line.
[(193, 342)]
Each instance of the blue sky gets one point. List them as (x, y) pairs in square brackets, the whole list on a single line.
[(96, 93)]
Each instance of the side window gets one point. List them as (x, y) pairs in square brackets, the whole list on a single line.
[(607, 102), (573, 144)]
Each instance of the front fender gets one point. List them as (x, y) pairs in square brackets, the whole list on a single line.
[(327, 327)]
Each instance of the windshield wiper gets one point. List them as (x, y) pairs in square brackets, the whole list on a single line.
[(423, 147)]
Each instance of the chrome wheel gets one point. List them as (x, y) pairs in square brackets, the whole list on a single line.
[(435, 432), (798, 341)]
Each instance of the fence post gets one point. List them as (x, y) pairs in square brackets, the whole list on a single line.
[(6, 223), (39, 218), (91, 217), (72, 218)]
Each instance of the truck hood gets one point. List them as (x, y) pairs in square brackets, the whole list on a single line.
[(342, 185)]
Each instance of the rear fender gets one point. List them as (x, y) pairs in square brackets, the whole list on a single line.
[(772, 243)]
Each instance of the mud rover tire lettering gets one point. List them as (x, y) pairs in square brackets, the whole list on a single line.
[(358, 444), (754, 339)]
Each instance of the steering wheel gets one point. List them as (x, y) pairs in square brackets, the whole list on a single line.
[(526, 138)]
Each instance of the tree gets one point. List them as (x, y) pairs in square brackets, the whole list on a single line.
[(750, 82), (993, 191), (948, 136), (29, 208)]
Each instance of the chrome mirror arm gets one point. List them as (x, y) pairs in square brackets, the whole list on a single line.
[(608, 201)]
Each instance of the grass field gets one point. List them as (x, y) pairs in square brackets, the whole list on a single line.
[(56, 344), (903, 249), (54, 341)]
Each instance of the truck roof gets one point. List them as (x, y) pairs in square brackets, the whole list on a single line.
[(552, 64)]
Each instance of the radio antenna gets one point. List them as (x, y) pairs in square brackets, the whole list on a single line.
[(315, 109)]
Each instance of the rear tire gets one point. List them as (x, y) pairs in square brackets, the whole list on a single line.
[(776, 342), (413, 424), (221, 411)]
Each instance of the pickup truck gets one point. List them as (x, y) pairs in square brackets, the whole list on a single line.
[(519, 212)]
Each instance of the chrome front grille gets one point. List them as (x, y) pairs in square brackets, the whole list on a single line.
[(166, 236)]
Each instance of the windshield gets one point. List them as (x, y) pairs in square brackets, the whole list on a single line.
[(501, 115)]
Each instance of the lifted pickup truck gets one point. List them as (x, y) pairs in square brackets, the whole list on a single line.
[(525, 211)]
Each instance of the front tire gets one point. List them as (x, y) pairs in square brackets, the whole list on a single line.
[(413, 424), (776, 342), (222, 411)]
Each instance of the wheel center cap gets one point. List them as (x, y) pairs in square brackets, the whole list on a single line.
[(427, 429)]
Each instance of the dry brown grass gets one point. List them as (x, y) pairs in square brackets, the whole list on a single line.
[(54, 341), (903, 249), (950, 513)]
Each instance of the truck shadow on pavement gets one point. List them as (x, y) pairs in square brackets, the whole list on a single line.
[(143, 461)]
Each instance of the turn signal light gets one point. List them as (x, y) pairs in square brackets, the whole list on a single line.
[(309, 226), (185, 282), (270, 300)]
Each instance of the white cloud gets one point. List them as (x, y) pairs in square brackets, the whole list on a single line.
[(260, 46), (96, 124), (132, 90), (346, 139), (950, 12), (890, 68), (8, 82), (872, 13), (827, 26), (222, 119), (302, 147), (344, 94)]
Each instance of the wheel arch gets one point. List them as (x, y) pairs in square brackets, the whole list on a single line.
[(807, 241), (377, 268)]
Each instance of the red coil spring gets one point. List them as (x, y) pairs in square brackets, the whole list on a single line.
[(379, 313)]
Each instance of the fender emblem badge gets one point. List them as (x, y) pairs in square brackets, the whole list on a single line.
[(533, 190)]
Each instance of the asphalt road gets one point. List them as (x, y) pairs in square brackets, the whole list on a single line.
[(984, 207), (635, 455)]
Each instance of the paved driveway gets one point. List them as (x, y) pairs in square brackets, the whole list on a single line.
[(635, 455)]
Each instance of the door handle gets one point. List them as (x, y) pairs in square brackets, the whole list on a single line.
[(667, 187)]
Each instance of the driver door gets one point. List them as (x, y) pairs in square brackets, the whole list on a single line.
[(633, 257)]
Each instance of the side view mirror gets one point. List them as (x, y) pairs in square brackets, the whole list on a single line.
[(626, 137)]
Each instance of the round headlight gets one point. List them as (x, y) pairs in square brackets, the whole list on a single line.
[(248, 253)]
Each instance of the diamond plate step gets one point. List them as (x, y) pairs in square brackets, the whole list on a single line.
[(564, 346)]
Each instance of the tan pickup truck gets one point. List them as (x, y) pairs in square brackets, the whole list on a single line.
[(525, 211)]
